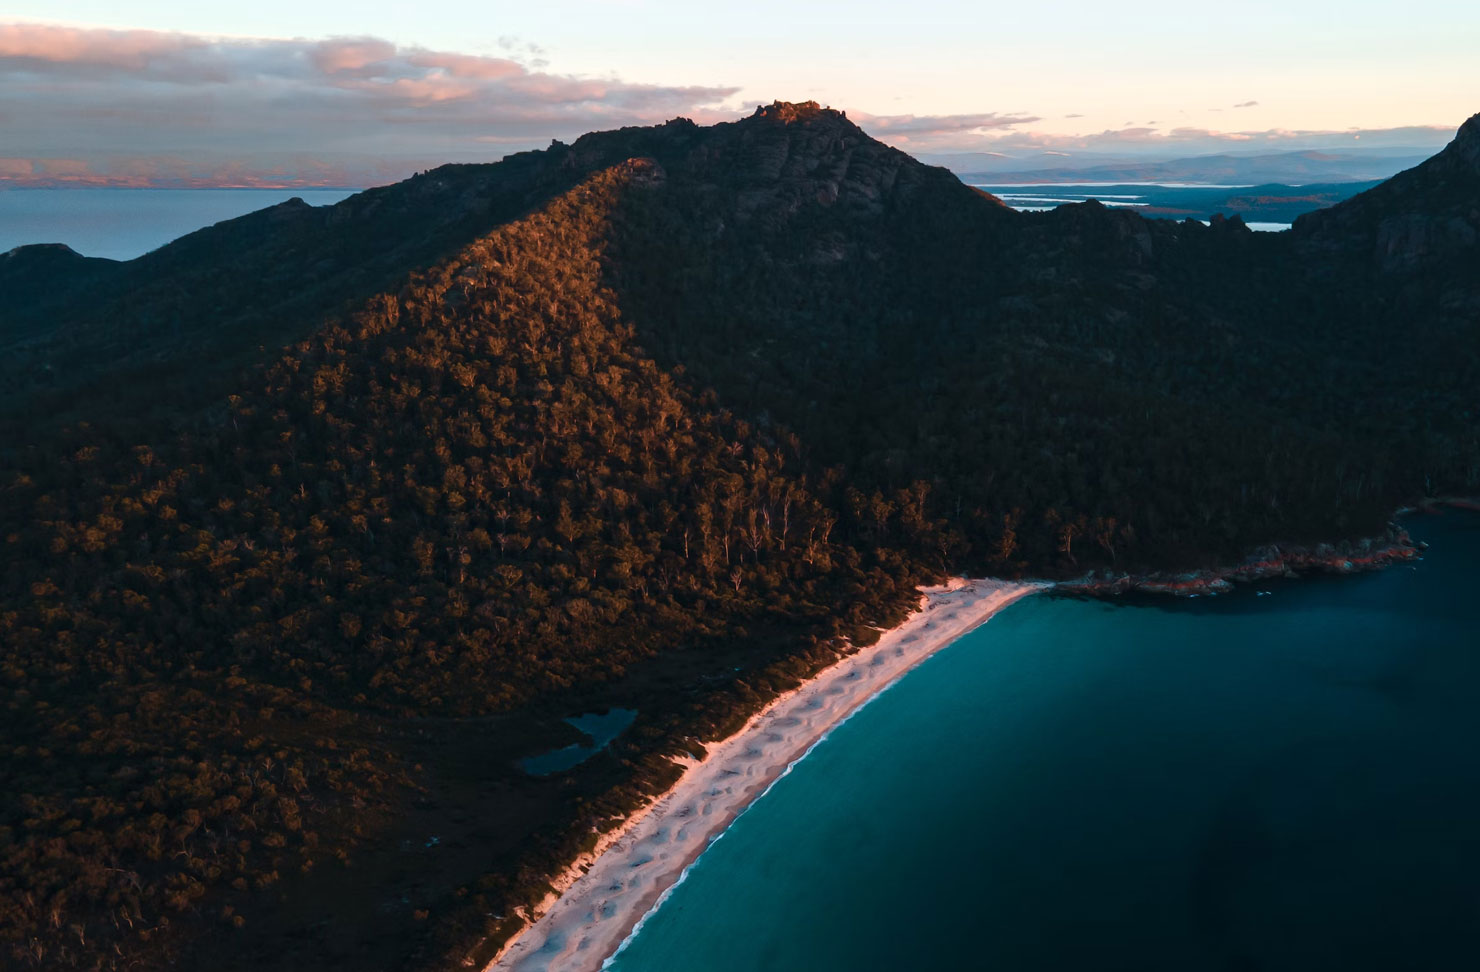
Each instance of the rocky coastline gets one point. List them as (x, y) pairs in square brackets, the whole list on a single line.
[(1275, 560)]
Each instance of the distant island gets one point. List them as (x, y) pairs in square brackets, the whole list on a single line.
[(318, 522)]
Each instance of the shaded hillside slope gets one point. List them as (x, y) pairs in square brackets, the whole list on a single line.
[(1205, 388), (34, 278), (189, 313)]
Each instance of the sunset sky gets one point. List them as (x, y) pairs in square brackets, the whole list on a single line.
[(337, 93)]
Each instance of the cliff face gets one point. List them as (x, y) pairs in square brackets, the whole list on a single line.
[(1427, 218)]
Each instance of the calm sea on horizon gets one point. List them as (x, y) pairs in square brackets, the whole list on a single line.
[(121, 224), (1237, 784)]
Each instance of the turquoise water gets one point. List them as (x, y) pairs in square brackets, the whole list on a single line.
[(121, 224), (1289, 782), (600, 727)]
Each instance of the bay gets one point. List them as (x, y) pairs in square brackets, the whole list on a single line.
[(122, 224), (1276, 782), (1269, 208)]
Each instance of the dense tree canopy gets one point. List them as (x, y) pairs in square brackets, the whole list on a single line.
[(463, 497)]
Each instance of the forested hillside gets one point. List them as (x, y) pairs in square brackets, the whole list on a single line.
[(314, 522), (462, 498)]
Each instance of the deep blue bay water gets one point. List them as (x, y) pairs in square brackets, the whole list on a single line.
[(1239, 784), (121, 224)]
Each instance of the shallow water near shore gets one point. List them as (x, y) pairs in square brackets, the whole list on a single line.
[(1236, 783)]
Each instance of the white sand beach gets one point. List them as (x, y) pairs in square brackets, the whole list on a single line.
[(605, 895)]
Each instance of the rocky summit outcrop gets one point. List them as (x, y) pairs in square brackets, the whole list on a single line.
[(771, 164)]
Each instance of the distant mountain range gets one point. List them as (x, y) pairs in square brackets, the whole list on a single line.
[(1290, 168), (316, 521)]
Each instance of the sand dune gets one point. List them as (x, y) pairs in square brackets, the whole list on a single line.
[(604, 896)]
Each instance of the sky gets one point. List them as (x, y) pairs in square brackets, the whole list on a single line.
[(155, 92)]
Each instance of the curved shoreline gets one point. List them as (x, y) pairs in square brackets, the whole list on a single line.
[(604, 897)]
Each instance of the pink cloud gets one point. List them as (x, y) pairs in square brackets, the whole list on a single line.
[(124, 49), (413, 91), (133, 106), (117, 98), (62, 168), (907, 127), (365, 57), (1145, 140), (467, 66)]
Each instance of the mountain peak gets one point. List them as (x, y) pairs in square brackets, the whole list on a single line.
[(1466, 142), (58, 250), (787, 112)]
